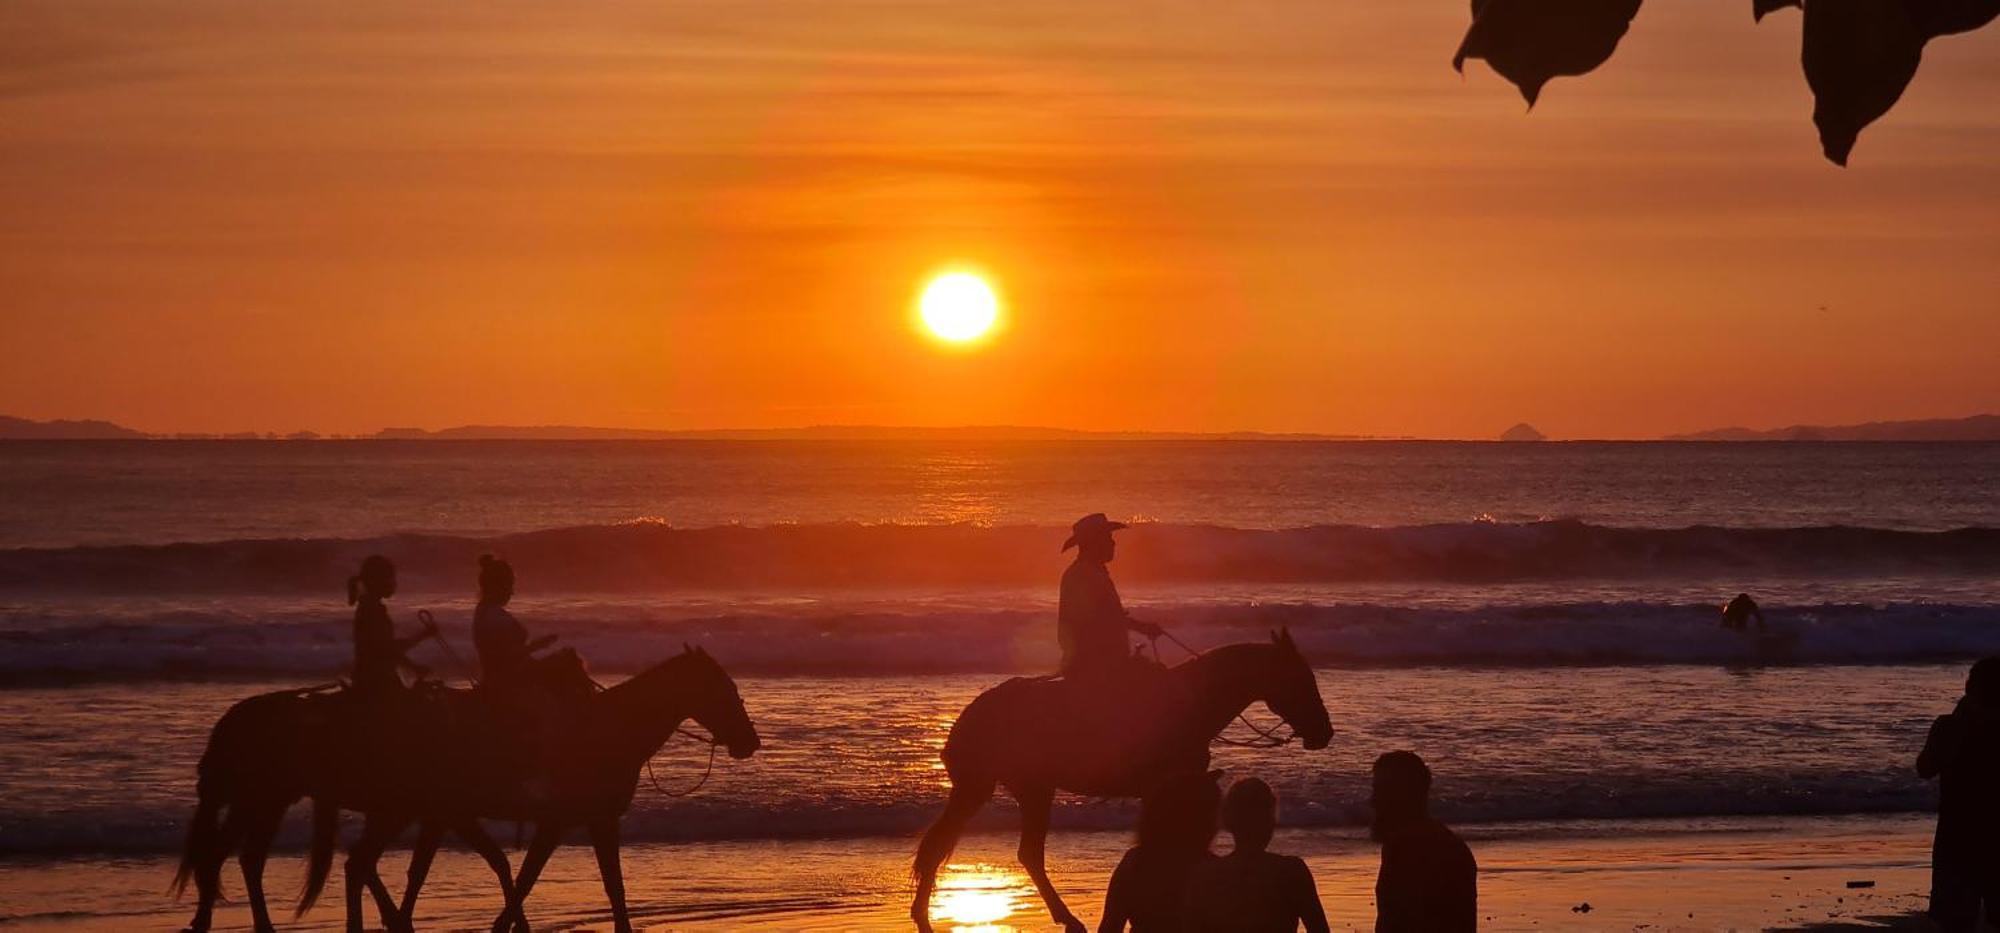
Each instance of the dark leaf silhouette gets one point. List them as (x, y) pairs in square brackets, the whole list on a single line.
[(1530, 42), (1861, 54), (1766, 6)]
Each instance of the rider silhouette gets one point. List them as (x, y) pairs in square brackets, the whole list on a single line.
[(506, 655), (377, 651), (1090, 620)]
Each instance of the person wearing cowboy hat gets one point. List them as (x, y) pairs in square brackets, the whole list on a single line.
[(1091, 622)]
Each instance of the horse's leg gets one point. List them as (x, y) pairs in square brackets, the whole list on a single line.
[(966, 799), (1035, 804), (547, 837), (476, 836), (258, 829), (429, 835), (604, 839), (208, 869), (376, 833)]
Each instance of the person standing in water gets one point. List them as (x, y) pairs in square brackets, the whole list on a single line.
[(378, 653), (1963, 753), (1429, 882), (1091, 621), (1737, 615), (1253, 890)]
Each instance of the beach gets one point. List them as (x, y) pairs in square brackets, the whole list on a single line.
[(1653, 875), (1595, 734)]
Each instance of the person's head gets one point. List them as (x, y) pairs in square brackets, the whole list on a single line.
[(377, 580), (1091, 536), (496, 580), (1179, 813), (1250, 813), (1402, 791), (1982, 684)]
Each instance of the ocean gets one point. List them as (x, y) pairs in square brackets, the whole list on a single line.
[(1538, 620)]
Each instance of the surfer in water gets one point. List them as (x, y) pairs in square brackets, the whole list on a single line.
[(1737, 615)]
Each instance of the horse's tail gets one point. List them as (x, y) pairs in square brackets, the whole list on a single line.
[(319, 862), (201, 839), (967, 796)]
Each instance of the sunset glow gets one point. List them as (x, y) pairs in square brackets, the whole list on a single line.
[(959, 307)]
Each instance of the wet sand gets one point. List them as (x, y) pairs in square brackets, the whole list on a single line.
[(1766, 873)]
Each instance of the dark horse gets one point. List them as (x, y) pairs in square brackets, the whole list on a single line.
[(1036, 736), (269, 751)]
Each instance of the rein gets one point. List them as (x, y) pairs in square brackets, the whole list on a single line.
[(1266, 738), (705, 774)]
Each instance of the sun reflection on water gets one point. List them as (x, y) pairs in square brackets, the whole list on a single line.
[(975, 898)]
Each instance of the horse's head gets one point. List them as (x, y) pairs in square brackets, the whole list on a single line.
[(717, 706), (1293, 694)]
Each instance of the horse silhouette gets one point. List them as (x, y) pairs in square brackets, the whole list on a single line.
[(269, 751), (1111, 737)]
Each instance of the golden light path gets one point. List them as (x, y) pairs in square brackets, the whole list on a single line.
[(959, 307), (975, 898)]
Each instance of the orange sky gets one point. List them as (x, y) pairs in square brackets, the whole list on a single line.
[(1286, 216)]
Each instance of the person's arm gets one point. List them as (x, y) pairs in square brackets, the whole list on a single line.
[(1940, 749), (1305, 899), (1115, 911)]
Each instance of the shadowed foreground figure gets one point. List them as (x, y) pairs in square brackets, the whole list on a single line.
[(1963, 753), (1530, 42), (1105, 737), (1429, 882), (1252, 889), (1148, 891), (1860, 55)]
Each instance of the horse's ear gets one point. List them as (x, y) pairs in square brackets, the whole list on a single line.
[(701, 651), (687, 648), (1285, 637), (1274, 636)]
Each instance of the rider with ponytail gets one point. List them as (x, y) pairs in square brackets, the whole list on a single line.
[(378, 653)]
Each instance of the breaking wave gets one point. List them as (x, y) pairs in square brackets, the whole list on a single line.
[(618, 638), (648, 556)]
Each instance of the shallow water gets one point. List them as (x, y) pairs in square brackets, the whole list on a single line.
[(111, 768)]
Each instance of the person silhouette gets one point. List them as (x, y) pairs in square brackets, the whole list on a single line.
[(378, 653), (505, 651), (1429, 882), (1737, 615), (1962, 752), (1149, 888), (1252, 890), (1091, 621)]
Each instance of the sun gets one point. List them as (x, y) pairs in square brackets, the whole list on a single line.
[(959, 307)]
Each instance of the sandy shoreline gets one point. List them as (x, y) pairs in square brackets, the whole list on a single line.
[(1748, 874)]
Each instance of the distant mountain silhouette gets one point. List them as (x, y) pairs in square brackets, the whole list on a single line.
[(1975, 428), (22, 429), (833, 432), (1523, 432)]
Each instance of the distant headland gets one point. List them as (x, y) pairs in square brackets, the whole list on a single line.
[(1975, 428)]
